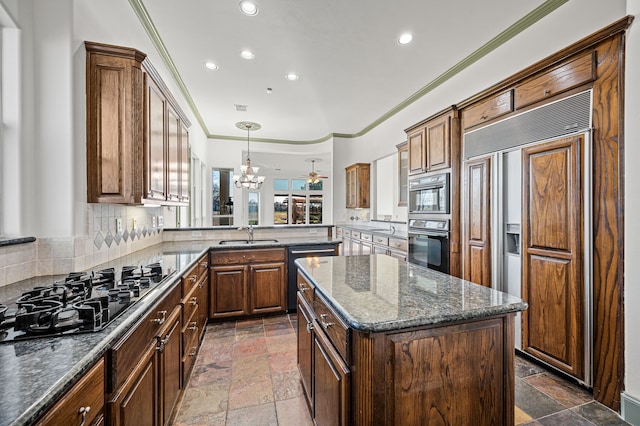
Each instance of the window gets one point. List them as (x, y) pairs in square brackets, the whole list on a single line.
[(315, 209), (299, 210), (298, 184), (222, 197), (281, 209), (253, 204), (281, 184)]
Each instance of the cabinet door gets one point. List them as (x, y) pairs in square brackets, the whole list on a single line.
[(417, 155), (136, 402), (476, 226), (351, 190), (438, 143), (552, 259), (154, 145), (267, 288), (356, 248), (305, 345), (228, 291), (403, 174), (170, 358), (185, 164), (366, 248), (330, 382), (173, 156)]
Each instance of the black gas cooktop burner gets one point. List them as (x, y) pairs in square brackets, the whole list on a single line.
[(81, 303)]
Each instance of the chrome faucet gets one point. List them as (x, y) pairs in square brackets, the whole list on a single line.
[(392, 229)]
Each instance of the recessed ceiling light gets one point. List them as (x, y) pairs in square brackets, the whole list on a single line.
[(211, 65), (269, 90), (405, 38), (247, 54), (292, 76), (249, 8)]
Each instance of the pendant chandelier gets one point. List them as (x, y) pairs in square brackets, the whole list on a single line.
[(249, 175)]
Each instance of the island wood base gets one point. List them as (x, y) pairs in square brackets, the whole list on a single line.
[(443, 375)]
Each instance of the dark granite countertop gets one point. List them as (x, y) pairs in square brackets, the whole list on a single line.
[(35, 373), (272, 243), (12, 241), (378, 293)]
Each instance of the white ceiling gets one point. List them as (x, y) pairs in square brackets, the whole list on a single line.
[(352, 70)]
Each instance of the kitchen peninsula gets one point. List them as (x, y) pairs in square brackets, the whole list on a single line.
[(382, 341)]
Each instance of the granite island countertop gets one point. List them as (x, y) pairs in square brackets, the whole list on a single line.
[(378, 293), (36, 372)]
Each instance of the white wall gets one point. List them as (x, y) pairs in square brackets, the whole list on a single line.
[(632, 204)]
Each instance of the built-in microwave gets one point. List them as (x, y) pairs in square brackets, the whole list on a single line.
[(429, 193)]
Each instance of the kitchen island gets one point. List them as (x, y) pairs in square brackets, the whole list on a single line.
[(382, 341)]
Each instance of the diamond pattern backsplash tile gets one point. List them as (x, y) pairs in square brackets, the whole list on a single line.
[(108, 239), (125, 235), (117, 239), (98, 240)]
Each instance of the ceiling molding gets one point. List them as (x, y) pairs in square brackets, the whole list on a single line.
[(522, 24)]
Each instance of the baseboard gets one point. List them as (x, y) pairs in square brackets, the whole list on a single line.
[(630, 409)]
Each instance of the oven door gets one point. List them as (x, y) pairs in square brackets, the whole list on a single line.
[(430, 250)]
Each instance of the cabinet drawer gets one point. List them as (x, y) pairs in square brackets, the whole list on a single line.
[(190, 344), (305, 289), (398, 244), (366, 237), (381, 240), (355, 234), (568, 75), (190, 304), (189, 280), (203, 266), (125, 353), (332, 325), (339, 232), (86, 396), (488, 109), (234, 257), (346, 233)]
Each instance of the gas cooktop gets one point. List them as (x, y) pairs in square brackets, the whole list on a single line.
[(80, 303)]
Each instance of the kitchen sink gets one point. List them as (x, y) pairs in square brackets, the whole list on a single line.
[(229, 242)]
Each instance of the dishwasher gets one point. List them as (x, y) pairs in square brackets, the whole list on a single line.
[(297, 252)]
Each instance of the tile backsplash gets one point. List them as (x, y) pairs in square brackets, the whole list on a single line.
[(112, 231)]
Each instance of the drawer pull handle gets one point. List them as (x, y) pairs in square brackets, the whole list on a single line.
[(193, 351), (325, 324), (303, 289), (193, 326), (193, 279), (546, 92), (201, 284), (193, 301), (162, 319), (162, 343), (483, 117), (84, 411), (309, 327)]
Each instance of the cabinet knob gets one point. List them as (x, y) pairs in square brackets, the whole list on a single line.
[(303, 289), (193, 326), (162, 318), (84, 411), (546, 92), (193, 279), (193, 301)]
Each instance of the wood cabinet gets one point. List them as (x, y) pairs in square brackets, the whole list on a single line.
[(322, 349), (476, 235), (567, 75), (195, 312), (488, 109), (552, 247), (247, 282), (145, 366), (83, 403), (136, 133), (358, 186), (429, 144)]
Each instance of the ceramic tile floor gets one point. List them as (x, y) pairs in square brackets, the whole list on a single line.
[(246, 374)]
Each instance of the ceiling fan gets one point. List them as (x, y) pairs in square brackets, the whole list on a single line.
[(314, 177)]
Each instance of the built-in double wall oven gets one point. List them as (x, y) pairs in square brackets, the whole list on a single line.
[(429, 200)]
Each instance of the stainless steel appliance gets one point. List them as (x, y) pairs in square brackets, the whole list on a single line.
[(429, 243), (297, 252), (429, 194)]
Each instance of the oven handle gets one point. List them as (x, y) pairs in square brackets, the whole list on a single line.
[(414, 233)]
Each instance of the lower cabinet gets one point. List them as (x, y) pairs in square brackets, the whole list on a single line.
[(247, 282), (82, 404), (322, 344), (145, 367)]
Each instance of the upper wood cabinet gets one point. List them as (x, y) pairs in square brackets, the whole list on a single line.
[(429, 144), (136, 133), (358, 188), (488, 109)]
